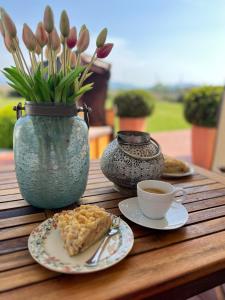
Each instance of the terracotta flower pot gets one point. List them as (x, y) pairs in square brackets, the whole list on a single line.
[(203, 141), (110, 117), (134, 124)]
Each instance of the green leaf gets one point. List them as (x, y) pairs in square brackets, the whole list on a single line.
[(22, 92), (19, 80), (84, 89), (41, 87), (66, 81), (38, 87), (88, 75)]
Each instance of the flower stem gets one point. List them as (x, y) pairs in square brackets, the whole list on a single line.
[(42, 62), (20, 61), (68, 59), (21, 54), (34, 61), (83, 77), (78, 60), (16, 61), (64, 57)]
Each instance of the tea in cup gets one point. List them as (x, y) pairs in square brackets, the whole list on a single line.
[(155, 197)]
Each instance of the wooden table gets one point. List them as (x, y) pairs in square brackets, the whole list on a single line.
[(162, 265)]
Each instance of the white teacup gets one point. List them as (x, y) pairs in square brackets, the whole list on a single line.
[(154, 205)]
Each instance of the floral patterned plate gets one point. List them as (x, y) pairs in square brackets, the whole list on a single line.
[(46, 247)]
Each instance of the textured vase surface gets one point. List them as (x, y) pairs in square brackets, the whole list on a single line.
[(52, 159)]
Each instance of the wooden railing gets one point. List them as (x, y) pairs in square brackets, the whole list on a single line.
[(99, 138)]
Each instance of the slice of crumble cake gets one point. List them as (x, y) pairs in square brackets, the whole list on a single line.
[(81, 227)]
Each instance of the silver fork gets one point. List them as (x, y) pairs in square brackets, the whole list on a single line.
[(114, 229)]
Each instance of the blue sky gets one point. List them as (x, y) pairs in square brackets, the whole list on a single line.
[(168, 41)]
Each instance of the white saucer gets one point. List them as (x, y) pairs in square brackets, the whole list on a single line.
[(176, 216)]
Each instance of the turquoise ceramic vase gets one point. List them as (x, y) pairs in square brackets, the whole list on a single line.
[(51, 155)]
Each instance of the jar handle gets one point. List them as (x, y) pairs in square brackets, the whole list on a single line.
[(86, 110), (144, 158), (18, 110)]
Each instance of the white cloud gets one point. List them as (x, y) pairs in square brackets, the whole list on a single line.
[(201, 66)]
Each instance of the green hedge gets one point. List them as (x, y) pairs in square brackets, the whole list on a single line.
[(201, 105), (7, 121), (134, 103)]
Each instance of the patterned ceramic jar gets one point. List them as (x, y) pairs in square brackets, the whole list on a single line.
[(132, 157), (51, 155)]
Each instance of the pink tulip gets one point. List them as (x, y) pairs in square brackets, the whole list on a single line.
[(64, 24), (55, 40), (82, 28), (9, 43), (72, 38), (101, 38), (8, 24), (41, 35), (83, 40), (38, 49), (29, 38), (48, 19), (104, 50), (2, 30)]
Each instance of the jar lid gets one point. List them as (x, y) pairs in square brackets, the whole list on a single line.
[(138, 145), (133, 138)]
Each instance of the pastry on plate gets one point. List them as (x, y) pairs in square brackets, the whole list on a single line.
[(82, 227), (172, 165)]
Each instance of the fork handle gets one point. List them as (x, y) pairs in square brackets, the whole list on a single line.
[(94, 259)]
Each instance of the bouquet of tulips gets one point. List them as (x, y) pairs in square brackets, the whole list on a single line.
[(44, 81)]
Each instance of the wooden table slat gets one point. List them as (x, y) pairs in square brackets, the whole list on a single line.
[(197, 249), (151, 240), (14, 221), (130, 277), (99, 187)]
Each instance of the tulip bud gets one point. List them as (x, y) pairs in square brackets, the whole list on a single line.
[(8, 24), (29, 38), (72, 38), (48, 19), (73, 59), (38, 49), (2, 30), (9, 43), (82, 28), (47, 53), (41, 35), (101, 38), (83, 41), (64, 24), (55, 40), (104, 51)]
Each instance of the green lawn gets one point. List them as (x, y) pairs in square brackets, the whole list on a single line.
[(167, 116), (6, 100)]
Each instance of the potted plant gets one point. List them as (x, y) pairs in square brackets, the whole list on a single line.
[(133, 107), (51, 142), (201, 107)]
